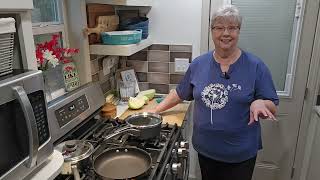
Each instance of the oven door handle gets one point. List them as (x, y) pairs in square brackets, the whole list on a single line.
[(25, 104)]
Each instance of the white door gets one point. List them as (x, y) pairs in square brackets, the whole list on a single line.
[(282, 34)]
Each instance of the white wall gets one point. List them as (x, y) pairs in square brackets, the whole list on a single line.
[(176, 22)]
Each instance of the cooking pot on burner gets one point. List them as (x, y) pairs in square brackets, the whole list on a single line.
[(76, 154), (143, 125)]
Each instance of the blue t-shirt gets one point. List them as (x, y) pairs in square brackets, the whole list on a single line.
[(222, 105)]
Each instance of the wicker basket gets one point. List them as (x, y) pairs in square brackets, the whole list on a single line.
[(7, 30)]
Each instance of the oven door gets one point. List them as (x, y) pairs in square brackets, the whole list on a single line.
[(24, 130)]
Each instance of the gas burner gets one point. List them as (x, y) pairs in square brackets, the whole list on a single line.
[(164, 149)]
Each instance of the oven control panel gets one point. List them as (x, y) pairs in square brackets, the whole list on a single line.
[(71, 110)]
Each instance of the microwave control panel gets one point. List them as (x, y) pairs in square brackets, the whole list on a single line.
[(40, 113), (71, 110)]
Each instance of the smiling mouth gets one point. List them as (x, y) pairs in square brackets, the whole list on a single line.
[(226, 40)]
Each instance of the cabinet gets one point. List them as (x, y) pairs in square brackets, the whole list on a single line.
[(310, 167), (77, 21)]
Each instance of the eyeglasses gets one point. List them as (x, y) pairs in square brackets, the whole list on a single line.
[(230, 29)]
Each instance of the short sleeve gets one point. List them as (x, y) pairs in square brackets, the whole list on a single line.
[(264, 86), (185, 88)]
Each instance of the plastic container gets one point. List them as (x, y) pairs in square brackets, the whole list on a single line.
[(7, 30), (126, 89), (121, 37)]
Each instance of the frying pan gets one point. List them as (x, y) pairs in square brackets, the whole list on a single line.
[(122, 163)]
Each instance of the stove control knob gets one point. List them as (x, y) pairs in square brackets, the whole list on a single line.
[(184, 144), (176, 167), (182, 152)]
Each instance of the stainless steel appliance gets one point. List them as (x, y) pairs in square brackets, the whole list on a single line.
[(70, 110), (24, 132), (168, 151)]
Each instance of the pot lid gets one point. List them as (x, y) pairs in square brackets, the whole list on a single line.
[(75, 150), (144, 120)]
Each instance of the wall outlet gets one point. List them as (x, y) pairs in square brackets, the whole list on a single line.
[(181, 64)]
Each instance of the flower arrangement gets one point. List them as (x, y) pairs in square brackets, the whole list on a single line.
[(50, 53)]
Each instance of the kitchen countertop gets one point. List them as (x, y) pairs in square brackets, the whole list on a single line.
[(173, 115), (51, 169)]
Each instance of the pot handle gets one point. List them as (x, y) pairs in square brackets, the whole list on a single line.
[(75, 171), (122, 130)]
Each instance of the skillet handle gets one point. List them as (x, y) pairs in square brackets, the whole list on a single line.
[(75, 171), (122, 130)]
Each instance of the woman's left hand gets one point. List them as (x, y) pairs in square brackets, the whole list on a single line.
[(259, 109)]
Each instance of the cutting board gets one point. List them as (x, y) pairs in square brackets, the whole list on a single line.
[(93, 12), (174, 115)]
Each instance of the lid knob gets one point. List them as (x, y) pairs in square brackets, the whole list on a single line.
[(70, 146)]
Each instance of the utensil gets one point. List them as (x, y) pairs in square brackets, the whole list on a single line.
[(122, 163)]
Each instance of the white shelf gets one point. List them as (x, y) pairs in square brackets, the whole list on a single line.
[(123, 2), (119, 50)]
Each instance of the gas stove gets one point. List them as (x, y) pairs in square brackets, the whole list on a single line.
[(168, 151)]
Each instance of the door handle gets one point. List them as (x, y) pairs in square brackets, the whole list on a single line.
[(25, 104)]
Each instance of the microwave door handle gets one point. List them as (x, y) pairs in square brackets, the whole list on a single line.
[(25, 104)]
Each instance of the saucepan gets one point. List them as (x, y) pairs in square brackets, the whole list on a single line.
[(122, 163), (76, 154), (143, 125)]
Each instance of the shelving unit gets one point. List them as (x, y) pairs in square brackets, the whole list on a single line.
[(123, 2), (120, 50), (77, 21)]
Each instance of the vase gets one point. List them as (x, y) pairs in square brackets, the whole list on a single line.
[(53, 83), (47, 90)]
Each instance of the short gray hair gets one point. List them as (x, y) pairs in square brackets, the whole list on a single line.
[(228, 12)]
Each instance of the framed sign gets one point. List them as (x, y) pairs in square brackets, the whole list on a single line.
[(130, 76), (70, 76)]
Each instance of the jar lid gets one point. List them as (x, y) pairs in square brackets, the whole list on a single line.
[(75, 150), (108, 107)]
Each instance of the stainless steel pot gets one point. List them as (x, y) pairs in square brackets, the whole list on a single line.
[(76, 154), (143, 125)]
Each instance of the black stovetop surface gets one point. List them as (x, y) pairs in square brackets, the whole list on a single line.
[(95, 129)]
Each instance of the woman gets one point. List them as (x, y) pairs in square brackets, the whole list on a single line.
[(231, 89)]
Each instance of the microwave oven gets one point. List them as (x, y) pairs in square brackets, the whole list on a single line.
[(25, 140)]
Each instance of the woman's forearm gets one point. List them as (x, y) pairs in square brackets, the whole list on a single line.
[(171, 100)]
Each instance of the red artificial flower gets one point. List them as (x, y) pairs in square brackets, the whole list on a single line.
[(68, 68), (55, 52)]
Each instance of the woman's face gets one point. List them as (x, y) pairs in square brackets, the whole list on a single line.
[(225, 34)]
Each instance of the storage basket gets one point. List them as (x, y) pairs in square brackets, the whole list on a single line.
[(7, 30), (121, 37)]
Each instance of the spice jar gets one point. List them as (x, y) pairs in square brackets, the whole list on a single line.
[(109, 111)]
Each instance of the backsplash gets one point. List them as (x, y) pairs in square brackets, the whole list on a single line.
[(106, 80), (154, 67)]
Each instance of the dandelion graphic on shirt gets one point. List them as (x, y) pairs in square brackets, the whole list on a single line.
[(215, 96)]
